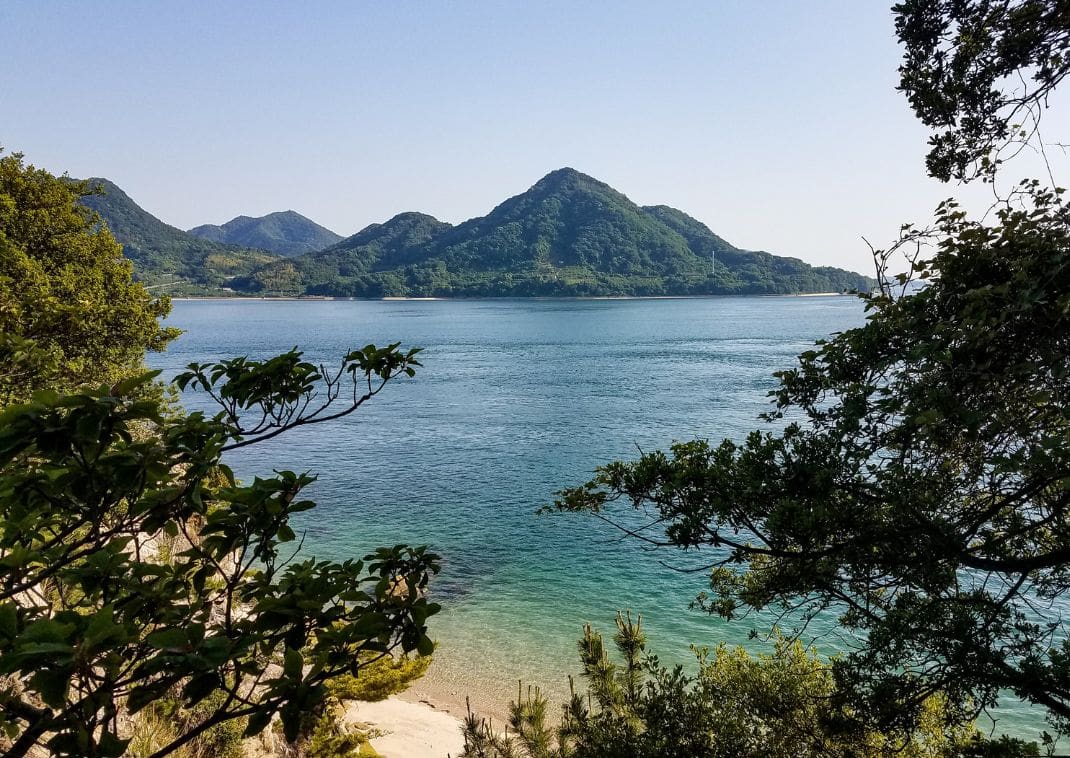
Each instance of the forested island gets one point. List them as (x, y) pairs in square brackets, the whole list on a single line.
[(569, 235)]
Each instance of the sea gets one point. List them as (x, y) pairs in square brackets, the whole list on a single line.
[(515, 400)]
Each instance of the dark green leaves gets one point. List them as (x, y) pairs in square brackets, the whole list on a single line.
[(263, 398), (134, 568), (979, 73), (920, 492)]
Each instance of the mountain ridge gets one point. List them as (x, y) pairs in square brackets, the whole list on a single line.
[(568, 234), (164, 255)]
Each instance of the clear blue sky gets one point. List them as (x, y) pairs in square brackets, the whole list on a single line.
[(775, 123)]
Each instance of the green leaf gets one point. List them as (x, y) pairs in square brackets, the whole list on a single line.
[(127, 386), (102, 628), (9, 622), (168, 639), (200, 687), (293, 663), (146, 694), (52, 685), (258, 721)]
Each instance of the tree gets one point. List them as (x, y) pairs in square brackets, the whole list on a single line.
[(917, 481), (772, 705), (923, 493), (70, 314), (135, 568), (980, 72), (925, 496)]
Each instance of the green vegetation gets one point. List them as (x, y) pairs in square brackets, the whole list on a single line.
[(568, 235), (916, 481), (69, 313), (150, 604), (980, 74), (97, 621), (166, 258), (164, 720), (286, 233), (779, 705), (380, 677)]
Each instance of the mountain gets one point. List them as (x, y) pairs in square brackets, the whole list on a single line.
[(163, 255), (569, 234), (286, 233), (345, 267)]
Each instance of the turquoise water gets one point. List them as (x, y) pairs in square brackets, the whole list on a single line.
[(517, 399)]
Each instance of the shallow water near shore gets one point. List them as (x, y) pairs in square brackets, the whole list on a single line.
[(516, 400)]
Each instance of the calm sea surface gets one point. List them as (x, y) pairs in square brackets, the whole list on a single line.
[(517, 399)]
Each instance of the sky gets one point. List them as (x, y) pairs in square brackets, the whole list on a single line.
[(776, 123)]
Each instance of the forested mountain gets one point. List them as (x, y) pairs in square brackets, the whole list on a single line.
[(334, 270), (569, 234), (166, 256), (287, 233)]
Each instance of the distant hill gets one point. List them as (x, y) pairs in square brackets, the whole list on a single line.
[(286, 233), (569, 235), (164, 256)]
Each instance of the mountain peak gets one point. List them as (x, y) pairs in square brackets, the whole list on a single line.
[(162, 253), (567, 176), (412, 216), (100, 185), (286, 233)]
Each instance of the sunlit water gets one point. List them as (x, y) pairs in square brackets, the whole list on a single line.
[(517, 399)]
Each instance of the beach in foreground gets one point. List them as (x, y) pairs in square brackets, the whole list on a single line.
[(409, 729), (425, 720)]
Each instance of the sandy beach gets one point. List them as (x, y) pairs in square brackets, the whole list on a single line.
[(409, 729), (424, 721)]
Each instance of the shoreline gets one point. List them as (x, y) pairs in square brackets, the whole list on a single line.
[(425, 720), (444, 697), (324, 298)]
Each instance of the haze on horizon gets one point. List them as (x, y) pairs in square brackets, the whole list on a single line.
[(778, 124)]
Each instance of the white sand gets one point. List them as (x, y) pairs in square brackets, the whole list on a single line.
[(409, 730)]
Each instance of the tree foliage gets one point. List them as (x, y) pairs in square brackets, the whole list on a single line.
[(921, 487), (70, 314), (917, 479), (979, 73), (135, 568)]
